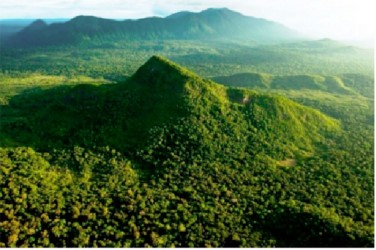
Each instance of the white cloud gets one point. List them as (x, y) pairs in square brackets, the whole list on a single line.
[(342, 19)]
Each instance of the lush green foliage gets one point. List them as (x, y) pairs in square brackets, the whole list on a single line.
[(163, 92), (167, 159), (332, 84), (117, 60)]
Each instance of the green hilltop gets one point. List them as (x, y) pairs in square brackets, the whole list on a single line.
[(173, 104), (169, 159)]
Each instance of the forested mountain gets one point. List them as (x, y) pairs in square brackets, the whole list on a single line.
[(267, 142), (9, 27), (162, 93), (169, 159), (210, 24)]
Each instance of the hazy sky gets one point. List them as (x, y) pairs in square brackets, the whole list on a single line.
[(339, 19)]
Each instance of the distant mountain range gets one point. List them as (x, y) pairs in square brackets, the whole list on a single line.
[(210, 25), (9, 27)]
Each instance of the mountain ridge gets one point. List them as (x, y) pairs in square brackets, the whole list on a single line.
[(210, 24), (331, 84)]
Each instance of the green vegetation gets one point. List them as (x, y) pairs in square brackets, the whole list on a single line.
[(100, 149), (115, 61), (14, 84), (332, 84), (158, 92), (168, 159)]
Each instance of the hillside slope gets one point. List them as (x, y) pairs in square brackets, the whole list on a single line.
[(331, 84), (163, 101)]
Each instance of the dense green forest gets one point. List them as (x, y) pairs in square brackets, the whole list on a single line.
[(114, 61), (227, 143), (167, 158)]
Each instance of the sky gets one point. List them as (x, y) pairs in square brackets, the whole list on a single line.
[(336, 19)]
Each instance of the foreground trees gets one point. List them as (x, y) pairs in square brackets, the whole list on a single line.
[(82, 198)]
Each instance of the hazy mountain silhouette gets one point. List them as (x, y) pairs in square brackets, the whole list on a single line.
[(211, 24)]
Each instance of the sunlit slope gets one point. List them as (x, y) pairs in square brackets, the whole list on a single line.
[(347, 84), (166, 109)]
